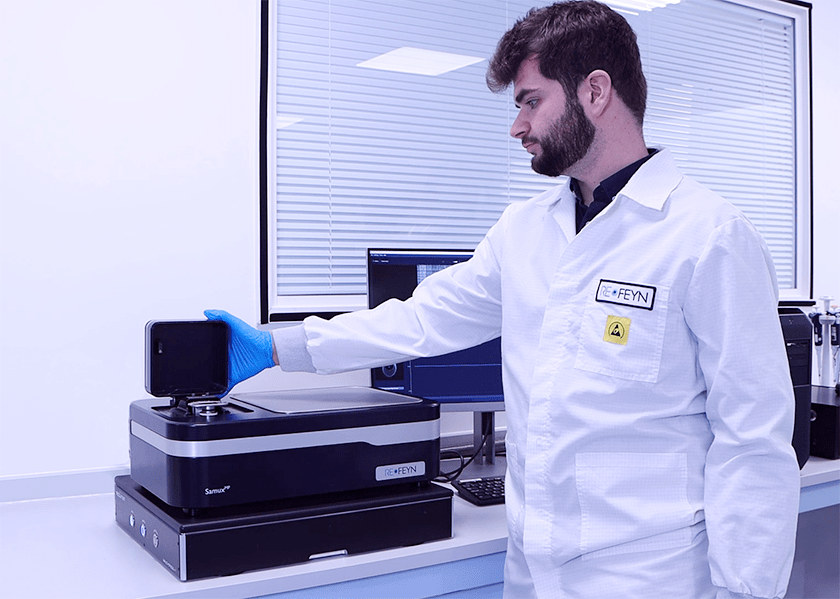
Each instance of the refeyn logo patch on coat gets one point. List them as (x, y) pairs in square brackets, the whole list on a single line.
[(626, 294), (617, 330)]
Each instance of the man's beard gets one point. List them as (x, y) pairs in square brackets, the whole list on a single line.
[(567, 141)]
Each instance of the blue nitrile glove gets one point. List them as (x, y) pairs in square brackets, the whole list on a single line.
[(250, 351)]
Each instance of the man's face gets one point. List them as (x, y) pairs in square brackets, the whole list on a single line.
[(551, 125)]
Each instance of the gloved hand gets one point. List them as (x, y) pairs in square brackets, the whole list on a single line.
[(250, 351)]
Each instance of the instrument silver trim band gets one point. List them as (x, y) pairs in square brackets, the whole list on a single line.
[(388, 434), (182, 556)]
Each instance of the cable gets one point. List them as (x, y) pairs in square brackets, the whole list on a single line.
[(448, 477)]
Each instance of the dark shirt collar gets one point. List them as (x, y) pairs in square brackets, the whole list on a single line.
[(604, 193)]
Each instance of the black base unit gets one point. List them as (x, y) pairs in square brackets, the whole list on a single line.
[(825, 425), (236, 539)]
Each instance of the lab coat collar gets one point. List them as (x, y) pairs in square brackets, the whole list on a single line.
[(654, 181), (650, 186)]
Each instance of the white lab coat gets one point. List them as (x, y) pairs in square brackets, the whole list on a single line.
[(657, 467)]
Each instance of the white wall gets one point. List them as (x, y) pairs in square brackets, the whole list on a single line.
[(128, 166), (129, 161)]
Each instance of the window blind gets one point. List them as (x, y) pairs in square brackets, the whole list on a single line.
[(722, 98), (363, 157)]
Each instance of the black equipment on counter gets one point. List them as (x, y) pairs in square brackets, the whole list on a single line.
[(222, 485), (796, 329), (275, 445), (825, 423)]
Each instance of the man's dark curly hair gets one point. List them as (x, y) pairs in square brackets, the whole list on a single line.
[(570, 40)]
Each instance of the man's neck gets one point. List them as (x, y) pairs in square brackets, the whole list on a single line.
[(605, 159)]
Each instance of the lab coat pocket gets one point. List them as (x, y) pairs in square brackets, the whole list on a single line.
[(623, 341), (632, 502)]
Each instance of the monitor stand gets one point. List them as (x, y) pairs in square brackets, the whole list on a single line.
[(486, 462), (484, 421)]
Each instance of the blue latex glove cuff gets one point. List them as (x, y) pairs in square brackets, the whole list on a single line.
[(250, 351)]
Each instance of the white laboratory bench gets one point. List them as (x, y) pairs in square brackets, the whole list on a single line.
[(71, 547)]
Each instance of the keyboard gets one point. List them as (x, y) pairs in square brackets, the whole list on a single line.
[(487, 490)]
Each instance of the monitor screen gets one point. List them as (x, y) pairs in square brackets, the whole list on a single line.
[(460, 380)]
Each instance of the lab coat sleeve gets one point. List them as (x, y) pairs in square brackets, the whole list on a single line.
[(453, 309), (290, 349), (751, 476)]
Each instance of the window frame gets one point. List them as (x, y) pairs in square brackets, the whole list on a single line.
[(270, 312)]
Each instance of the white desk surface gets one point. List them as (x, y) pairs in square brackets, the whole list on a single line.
[(70, 547)]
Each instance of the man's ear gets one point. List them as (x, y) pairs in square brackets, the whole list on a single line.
[(596, 92)]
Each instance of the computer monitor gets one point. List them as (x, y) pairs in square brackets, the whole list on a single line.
[(466, 380)]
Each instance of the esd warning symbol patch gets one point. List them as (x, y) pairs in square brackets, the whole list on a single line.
[(617, 330)]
